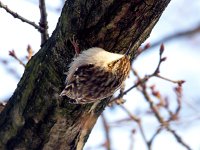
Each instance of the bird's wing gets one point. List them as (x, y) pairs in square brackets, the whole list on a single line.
[(81, 74), (90, 83)]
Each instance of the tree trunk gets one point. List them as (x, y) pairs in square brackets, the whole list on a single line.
[(35, 116)]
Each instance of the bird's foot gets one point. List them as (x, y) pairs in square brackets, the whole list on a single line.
[(75, 45)]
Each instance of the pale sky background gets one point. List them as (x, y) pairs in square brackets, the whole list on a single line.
[(182, 63)]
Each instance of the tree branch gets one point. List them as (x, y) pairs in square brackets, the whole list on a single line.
[(43, 21), (107, 132), (180, 34), (16, 15)]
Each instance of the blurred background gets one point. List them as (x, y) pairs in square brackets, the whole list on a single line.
[(179, 30)]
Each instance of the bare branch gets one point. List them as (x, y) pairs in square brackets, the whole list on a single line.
[(107, 132), (177, 35), (13, 54), (178, 138), (16, 15), (150, 101), (178, 91), (131, 139), (43, 21), (179, 82), (147, 77), (159, 117), (138, 121), (154, 136)]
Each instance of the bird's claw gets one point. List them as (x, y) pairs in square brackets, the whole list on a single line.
[(75, 45)]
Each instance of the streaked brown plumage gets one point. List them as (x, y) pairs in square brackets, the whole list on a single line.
[(95, 74)]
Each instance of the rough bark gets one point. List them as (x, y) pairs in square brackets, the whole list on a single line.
[(35, 116)]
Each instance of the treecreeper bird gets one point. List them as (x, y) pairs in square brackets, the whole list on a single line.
[(95, 74)]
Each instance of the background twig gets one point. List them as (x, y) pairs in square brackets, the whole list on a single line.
[(43, 21), (16, 15), (107, 132)]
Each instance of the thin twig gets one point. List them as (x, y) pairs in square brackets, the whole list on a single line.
[(154, 136), (150, 101), (178, 138), (170, 80), (159, 117), (132, 117), (147, 77), (141, 84), (180, 34), (138, 121), (16, 15), (107, 132), (178, 91), (12, 54), (131, 139), (43, 21)]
